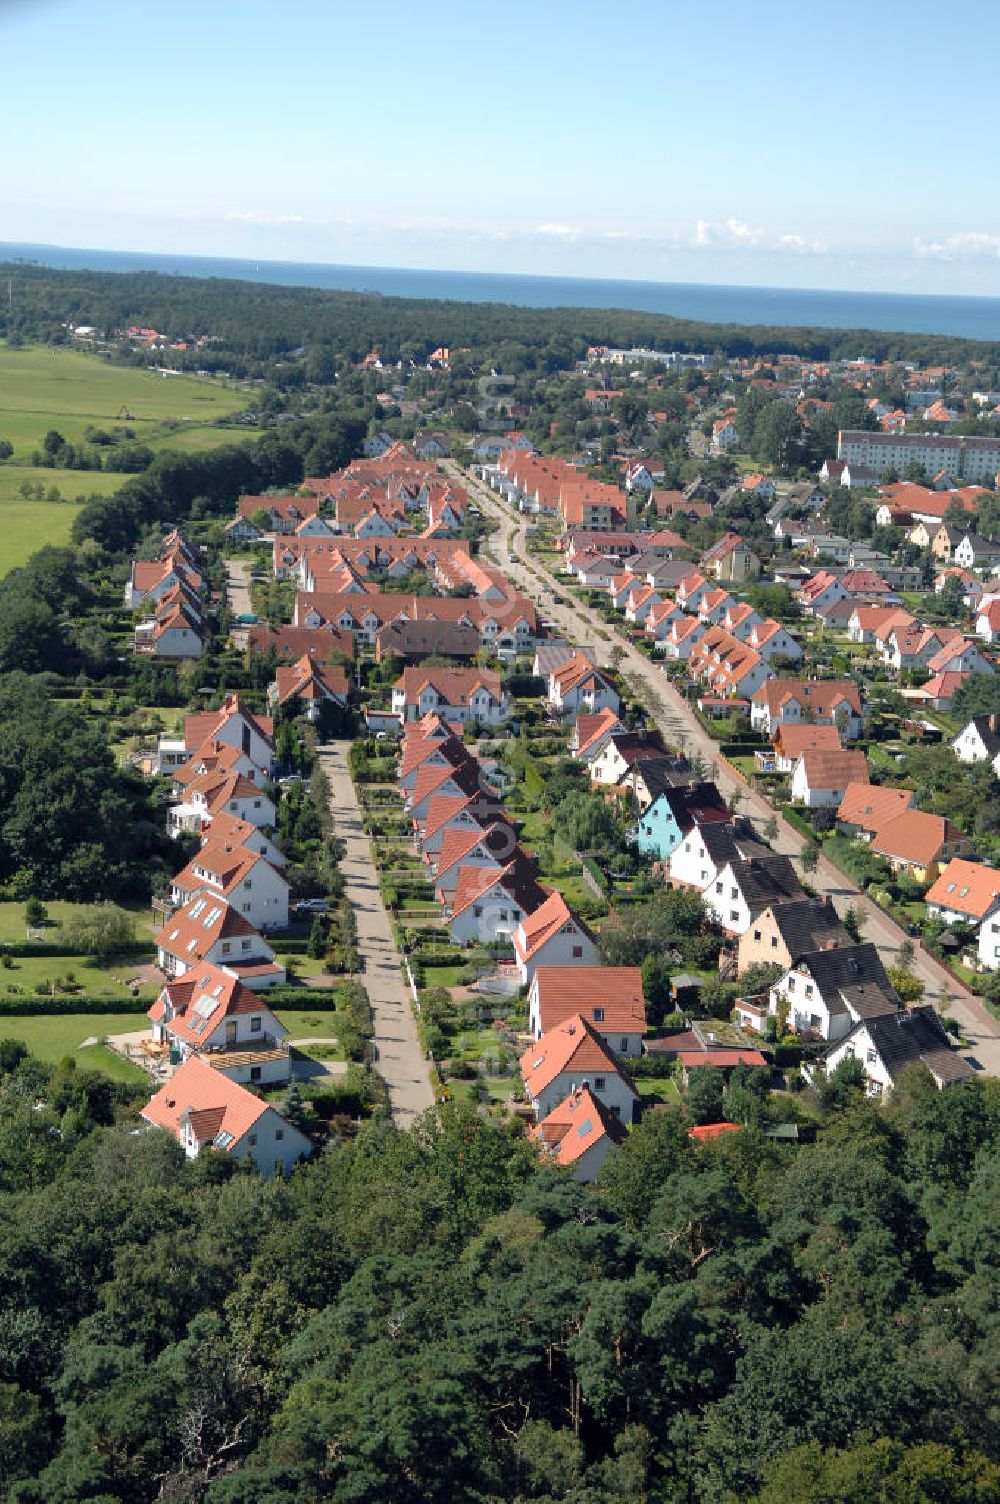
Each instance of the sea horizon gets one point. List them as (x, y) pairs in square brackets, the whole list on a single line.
[(962, 315)]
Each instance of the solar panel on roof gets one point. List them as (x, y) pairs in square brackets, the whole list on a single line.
[(205, 1007)]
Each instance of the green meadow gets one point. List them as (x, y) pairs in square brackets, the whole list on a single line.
[(46, 387)]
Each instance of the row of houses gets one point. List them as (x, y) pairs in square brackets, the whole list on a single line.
[(169, 594), (213, 1033), (585, 1020), (385, 495)]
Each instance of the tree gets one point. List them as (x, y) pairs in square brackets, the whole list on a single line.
[(6, 449), (809, 856), (704, 1094), (35, 913), (854, 921), (910, 989)]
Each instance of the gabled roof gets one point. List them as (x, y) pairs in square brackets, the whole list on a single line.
[(538, 928), (851, 976), (575, 1126), (517, 879), (573, 1045), (807, 924), (220, 1111), (969, 888), (615, 992), (916, 1037), (794, 738), (202, 999), (590, 728), (914, 836), (764, 881), (193, 930), (870, 806), (833, 770), (821, 695)]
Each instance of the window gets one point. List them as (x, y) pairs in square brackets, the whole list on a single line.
[(809, 989), (791, 984), (734, 892), (598, 1015), (871, 1057), (255, 1024), (252, 1140), (774, 942), (577, 952), (623, 1047), (255, 1073), (600, 1082), (279, 1134), (734, 915), (756, 934)]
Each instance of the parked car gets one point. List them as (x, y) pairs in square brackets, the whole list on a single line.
[(312, 906)]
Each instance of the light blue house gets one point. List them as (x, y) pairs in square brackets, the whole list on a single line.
[(673, 813)]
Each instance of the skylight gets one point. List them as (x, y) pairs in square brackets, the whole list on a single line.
[(587, 1126), (205, 1007), (224, 1139)]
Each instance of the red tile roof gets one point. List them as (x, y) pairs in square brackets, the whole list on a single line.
[(571, 1046), (213, 1104), (614, 991)]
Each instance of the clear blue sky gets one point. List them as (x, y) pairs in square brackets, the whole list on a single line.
[(818, 145)]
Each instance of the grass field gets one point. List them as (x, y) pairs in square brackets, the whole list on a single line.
[(53, 1036), (43, 387)]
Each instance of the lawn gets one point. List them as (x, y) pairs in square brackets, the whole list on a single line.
[(51, 1036), (321, 1023), (653, 1089), (27, 972), (442, 976)]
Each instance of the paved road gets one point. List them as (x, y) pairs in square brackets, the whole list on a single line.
[(400, 1057), (682, 728), (238, 594)]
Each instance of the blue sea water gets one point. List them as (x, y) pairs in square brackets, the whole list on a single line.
[(910, 313)]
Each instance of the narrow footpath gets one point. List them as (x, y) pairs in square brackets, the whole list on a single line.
[(400, 1059), (682, 729), (238, 595)]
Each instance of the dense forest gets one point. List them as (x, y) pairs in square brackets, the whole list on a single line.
[(431, 1316), (255, 321)]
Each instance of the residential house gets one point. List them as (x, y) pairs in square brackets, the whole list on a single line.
[(917, 843), (866, 807), (202, 1109), (835, 702), (611, 998), (706, 849), (468, 695), (828, 991), (579, 686), (621, 752), (783, 932), (488, 906), (210, 1013), (247, 880), (979, 740), (209, 931), (674, 812), (888, 1043), (552, 936), (742, 889), (570, 1056), (975, 552), (731, 559), (579, 1135), (796, 737), (821, 778), (964, 893)]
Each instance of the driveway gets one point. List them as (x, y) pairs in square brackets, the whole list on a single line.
[(400, 1059), (682, 729)]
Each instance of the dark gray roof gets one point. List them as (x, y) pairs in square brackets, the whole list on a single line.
[(917, 1037), (852, 976), (421, 639), (662, 773), (809, 925), (765, 881), (985, 725), (695, 804)]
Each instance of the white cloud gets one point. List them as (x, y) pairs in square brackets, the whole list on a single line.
[(740, 230), (702, 232), (262, 217), (558, 232), (969, 245)]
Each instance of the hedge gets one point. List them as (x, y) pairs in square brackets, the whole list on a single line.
[(798, 823), (34, 1003)]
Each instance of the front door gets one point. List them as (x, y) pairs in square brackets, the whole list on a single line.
[(230, 1031)]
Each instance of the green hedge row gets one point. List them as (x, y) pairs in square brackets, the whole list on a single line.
[(32, 1004)]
